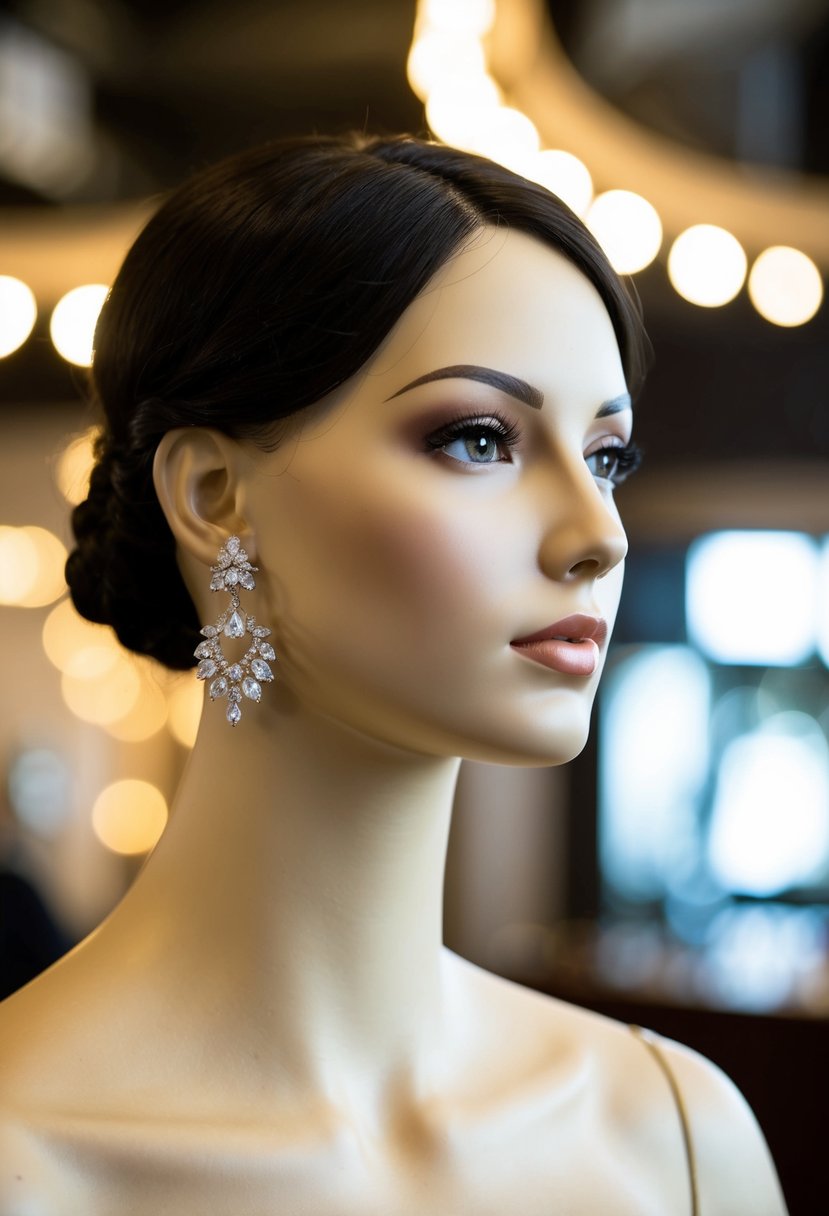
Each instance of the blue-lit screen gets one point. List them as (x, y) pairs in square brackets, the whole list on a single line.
[(713, 781)]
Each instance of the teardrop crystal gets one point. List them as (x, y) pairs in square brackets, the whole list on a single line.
[(261, 670), (209, 631), (252, 689), (234, 713), (267, 651), (247, 580), (203, 651), (218, 687), (231, 577), (206, 669), (235, 627), (232, 545)]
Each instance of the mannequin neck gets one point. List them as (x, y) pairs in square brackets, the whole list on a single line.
[(301, 879)]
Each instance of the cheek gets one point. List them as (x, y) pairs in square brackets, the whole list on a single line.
[(405, 579)]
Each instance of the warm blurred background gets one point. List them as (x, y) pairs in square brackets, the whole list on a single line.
[(677, 874)]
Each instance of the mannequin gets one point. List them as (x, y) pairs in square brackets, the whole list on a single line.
[(268, 1021)]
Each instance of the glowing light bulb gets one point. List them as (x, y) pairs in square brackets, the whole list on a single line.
[(129, 816), (458, 111), (73, 322), (509, 138), (627, 227), (707, 265), (566, 176), (785, 286), (437, 57), (18, 313), (471, 17)]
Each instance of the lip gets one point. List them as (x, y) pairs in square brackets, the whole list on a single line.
[(571, 646)]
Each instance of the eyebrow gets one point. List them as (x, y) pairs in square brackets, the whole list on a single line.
[(615, 406), (511, 385)]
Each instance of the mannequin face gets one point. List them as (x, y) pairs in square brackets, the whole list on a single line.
[(400, 556)]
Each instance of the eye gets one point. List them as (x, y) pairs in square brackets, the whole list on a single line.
[(613, 462), (475, 440)]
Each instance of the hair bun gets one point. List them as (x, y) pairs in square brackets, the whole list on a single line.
[(123, 570)]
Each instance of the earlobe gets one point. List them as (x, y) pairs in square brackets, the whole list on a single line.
[(196, 478)]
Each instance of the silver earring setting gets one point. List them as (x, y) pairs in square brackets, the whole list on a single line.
[(245, 677)]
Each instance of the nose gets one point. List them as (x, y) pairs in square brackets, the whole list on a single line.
[(583, 537)]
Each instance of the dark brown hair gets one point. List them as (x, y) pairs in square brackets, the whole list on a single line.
[(257, 288)]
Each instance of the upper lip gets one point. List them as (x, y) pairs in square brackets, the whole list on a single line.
[(574, 628)]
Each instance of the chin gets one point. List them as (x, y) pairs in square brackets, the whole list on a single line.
[(539, 745)]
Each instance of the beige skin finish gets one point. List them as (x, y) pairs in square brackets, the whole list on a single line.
[(269, 1022)]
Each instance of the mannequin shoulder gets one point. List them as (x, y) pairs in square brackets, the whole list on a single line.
[(735, 1171)]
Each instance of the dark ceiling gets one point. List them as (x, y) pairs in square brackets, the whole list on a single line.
[(145, 92)]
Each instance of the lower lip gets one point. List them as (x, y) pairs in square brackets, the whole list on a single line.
[(569, 658)]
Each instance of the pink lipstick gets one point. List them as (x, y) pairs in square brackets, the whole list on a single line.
[(571, 646)]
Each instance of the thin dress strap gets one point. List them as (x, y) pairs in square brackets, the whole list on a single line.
[(650, 1043)]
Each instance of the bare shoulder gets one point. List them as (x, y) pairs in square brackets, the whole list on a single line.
[(46, 1035), (735, 1171)]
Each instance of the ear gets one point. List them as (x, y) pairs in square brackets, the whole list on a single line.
[(197, 475)]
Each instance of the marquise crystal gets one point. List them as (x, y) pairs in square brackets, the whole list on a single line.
[(252, 689), (234, 679)]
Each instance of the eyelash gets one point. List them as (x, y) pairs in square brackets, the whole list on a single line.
[(628, 460), (493, 425)]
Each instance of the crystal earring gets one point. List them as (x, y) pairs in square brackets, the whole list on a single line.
[(245, 677)]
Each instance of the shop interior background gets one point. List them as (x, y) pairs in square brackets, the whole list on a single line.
[(678, 872)]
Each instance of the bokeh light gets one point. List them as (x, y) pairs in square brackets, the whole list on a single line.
[(18, 565), (751, 597), (77, 647), (471, 17), (129, 816), (147, 716), (104, 699), (437, 56), (31, 567), (74, 466), (627, 227), (73, 322), (18, 313), (458, 111), (567, 177), (508, 137), (185, 703), (707, 265), (785, 286)]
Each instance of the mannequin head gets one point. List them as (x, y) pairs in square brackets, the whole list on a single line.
[(254, 347)]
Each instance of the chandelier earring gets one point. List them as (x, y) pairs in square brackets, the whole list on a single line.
[(244, 677)]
